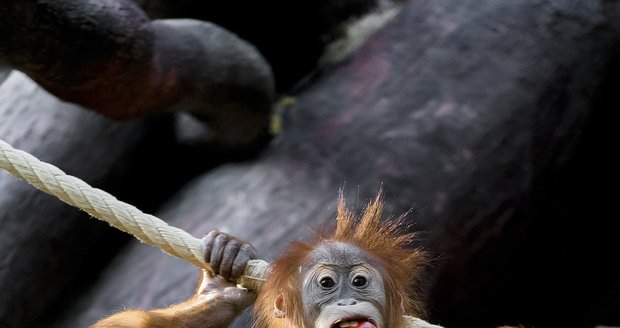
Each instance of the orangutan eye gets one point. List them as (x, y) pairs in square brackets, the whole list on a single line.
[(359, 281), (327, 282)]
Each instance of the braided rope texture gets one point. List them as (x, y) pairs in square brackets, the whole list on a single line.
[(125, 217)]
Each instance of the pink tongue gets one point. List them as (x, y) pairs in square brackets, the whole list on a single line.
[(365, 324)]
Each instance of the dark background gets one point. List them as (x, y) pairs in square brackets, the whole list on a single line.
[(490, 119)]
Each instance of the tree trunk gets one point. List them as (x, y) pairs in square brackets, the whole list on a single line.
[(108, 56), (290, 34)]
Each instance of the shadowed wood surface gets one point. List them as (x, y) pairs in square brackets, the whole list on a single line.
[(291, 35), (111, 58)]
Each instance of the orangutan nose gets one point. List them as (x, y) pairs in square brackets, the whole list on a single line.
[(347, 302)]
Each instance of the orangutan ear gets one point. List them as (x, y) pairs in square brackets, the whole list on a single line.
[(278, 305)]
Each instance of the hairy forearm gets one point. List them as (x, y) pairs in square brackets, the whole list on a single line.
[(216, 302), (203, 311)]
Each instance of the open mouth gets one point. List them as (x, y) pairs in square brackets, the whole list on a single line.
[(354, 323)]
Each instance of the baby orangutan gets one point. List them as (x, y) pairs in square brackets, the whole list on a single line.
[(362, 275)]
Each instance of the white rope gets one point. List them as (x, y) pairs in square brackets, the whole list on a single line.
[(103, 206)]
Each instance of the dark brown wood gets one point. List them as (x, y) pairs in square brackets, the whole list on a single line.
[(491, 119), (110, 57), (290, 34), (612, 12)]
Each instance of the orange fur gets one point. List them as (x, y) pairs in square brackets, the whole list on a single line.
[(399, 265), (197, 312)]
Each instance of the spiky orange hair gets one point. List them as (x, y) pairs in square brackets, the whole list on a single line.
[(399, 265)]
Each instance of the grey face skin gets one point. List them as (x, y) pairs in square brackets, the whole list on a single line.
[(340, 288)]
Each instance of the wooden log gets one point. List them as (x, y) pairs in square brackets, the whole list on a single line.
[(489, 118), (291, 35), (110, 57)]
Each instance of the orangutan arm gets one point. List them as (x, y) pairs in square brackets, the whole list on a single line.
[(217, 301)]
